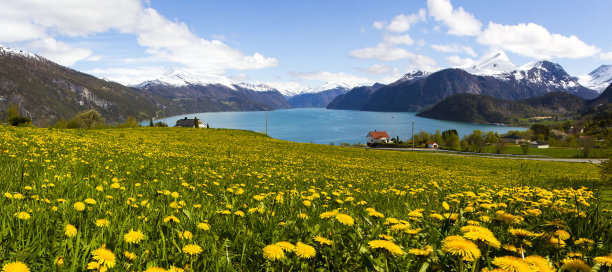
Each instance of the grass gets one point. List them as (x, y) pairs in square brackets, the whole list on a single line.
[(553, 152)]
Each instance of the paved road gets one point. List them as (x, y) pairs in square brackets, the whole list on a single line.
[(494, 156)]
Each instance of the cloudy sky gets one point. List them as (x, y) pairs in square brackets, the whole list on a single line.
[(304, 43)]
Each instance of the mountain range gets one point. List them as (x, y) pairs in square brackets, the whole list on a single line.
[(493, 75)]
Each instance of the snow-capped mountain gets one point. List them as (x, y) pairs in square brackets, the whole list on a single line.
[(597, 80), (417, 74), (179, 78), (491, 64), (5, 50)]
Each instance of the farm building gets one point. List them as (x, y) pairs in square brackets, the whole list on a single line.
[(515, 139), (189, 123), (433, 145), (377, 137)]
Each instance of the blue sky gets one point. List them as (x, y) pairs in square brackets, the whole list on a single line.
[(304, 43)]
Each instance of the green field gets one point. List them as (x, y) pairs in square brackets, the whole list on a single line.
[(171, 199), (553, 152)]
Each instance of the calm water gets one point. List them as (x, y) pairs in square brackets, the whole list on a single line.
[(325, 126)]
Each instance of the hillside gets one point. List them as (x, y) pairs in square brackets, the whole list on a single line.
[(484, 109), (47, 92), (316, 100)]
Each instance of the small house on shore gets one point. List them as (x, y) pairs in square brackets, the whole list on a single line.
[(515, 139), (377, 137), (433, 145), (190, 123)]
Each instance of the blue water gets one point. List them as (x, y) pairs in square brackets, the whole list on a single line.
[(323, 126)]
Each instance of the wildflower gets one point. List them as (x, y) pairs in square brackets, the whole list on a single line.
[(304, 251), (322, 240), (93, 266), (510, 263), (90, 201), (387, 245), (71, 231), (239, 213), (286, 246), (15, 267), (539, 263), (426, 251), (104, 257), (437, 216), (204, 226), (604, 260), (79, 206), (522, 232), (192, 249), (102, 223), (129, 255), (133, 237), (60, 261), (345, 219), (445, 206), (557, 243), (171, 219), (575, 265), (481, 233), (155, 269), (187, 235), (459, 246), (386, 237), (303, 216), (273, 252), (328, 214), (22, 215), (307, 203), (561, 234)]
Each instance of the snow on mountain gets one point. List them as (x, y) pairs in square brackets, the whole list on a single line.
[(5, 50), (330, 86), (178, 78), (597, 80), (491, 64), (417, 74), (258, 87)]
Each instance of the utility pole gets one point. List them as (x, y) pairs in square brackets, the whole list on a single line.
[(413, 135)]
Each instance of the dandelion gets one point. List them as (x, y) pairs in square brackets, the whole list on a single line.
[(192, 249), (204, 226), (273, 252), (522, 232), (575, 265), (90, 201), (459, 246), (70, 231), (101, 223), (286, 246), (386, 237), (187, 235), (303, 216), (239, 213), (171, 219), (482, 234), (445, 206), (79, 206), (512, 264), (387, 245), (604, 260), (155, 269), (304, 251), (561, 234), (539, 263), (22, 215), (322, 240), (129, 255), (328, 214), (345, 219), (15, 267), (93, 266), (104, 257), (426, 251), (133, 237)]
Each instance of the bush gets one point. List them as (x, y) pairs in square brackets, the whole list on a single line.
[(19, 120), (161, 124)]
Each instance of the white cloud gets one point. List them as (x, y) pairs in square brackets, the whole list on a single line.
[(607, 56), (333, 77), (39, 23), (59, 52), (382, 52), (454, 48), (129, 76), (378, 69), (535, 41), (458, 21), (400, 39), (456, 61), (379, 24), (401, 23)]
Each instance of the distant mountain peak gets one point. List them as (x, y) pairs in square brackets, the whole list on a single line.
[(494, 63), (5, 50), (178, 78), (412, 75), (599, 79)]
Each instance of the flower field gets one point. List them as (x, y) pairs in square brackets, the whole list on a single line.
[(170, 199)]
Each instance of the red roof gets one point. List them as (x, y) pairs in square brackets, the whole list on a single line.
[(379, 134)]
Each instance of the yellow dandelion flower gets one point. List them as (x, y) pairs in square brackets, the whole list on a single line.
[(575, 265), (557, 243), (387, 245), (345, 219), (204, 226), (445, 206), (172, 219), (15, 267), (522, 232), (90, 201), (79, 206), (104, 257), (437, 216), (22, 215), (133, 237), (93, 266), (304, 251), (399, 227), (303, 216), (386, 237), (102, 223), (604, 260), (482, 234), (273, 252), (286, 246), (459, 246), (539, 263), (155, 269), (562, 234), (328, 214), (322, 240), (60, 261), (511, 264), (175, 269), (239, 213), (192, 249), (71, 231), (581, 241), (426, 251), (187, 235), (129, 255)]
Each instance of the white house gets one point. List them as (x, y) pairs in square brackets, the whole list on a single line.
[(433, 145), (377, 137), (515, 139), (189, 123)]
